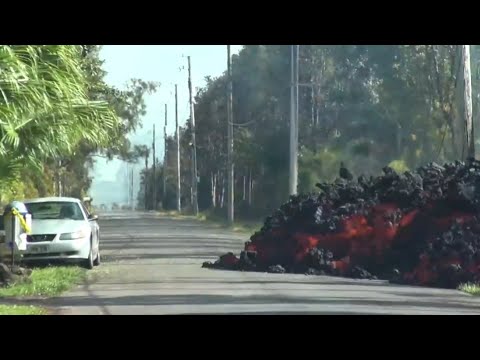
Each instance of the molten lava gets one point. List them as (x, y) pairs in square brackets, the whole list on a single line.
[(411, 225)]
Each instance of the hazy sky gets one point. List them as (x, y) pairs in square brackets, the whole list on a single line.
[(166, 64)]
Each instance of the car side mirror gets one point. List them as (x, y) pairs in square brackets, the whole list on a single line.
[(93, 217)]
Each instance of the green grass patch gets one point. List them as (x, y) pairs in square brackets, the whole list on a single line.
[(472, 289), (242, 226), (247, 227), (49, 281), (174, 214), (21, 310)]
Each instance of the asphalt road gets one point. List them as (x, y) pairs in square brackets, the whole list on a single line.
[(152, 265)]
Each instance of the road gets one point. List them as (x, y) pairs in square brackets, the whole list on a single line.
[(152, 265)]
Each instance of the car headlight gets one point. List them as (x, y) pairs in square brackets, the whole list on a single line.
[(74, 235)]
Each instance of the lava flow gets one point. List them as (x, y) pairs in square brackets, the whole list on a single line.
[(418, 228)]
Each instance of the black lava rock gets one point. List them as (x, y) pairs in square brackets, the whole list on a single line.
[(357, 272), (319, 259), (276, 269), (312, 271), (435, 191)]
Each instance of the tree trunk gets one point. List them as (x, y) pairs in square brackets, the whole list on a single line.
[(191, 196), (250, 188), (57, 179), (464, 103), (462, 125), (244, 188), (222, 199), (443, 99), (214, 190), (217, 185), (399, 141), (312, 100)]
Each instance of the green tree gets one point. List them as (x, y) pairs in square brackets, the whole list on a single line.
[(368, 106), (58, 113)]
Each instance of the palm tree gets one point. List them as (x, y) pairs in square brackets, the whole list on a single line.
[(44, 106)]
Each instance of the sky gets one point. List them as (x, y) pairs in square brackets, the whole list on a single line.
[(166, 64)]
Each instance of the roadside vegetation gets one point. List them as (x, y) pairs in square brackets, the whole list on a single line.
[(472, 289), (45, 282), (369, 106), (21, 310), (59, 115), (243, 226)]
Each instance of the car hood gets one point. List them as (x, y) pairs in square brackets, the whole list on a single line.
[(57, 226)]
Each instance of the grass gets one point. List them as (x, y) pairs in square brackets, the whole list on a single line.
[(242, 226), (49, 281), (246, 227), (21, 310), (175, 214), (472, 289)]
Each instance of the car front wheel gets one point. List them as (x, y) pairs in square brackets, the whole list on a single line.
[(97, 260), (88, 263)]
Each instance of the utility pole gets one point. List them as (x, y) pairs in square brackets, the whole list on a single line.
[(194, 144), (165, 159), (297, 96), (154, 167), (146, 178), (465, 102), (230, 166), (293, 171), (177, 133)]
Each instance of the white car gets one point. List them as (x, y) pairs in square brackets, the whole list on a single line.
[(62, 229)]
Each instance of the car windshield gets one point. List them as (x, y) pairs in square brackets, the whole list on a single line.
[(55, 210)]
